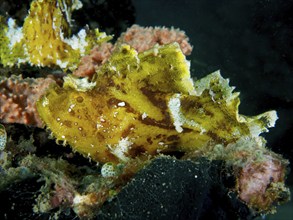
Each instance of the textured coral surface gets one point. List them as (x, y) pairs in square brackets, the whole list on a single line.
[(18, 98)]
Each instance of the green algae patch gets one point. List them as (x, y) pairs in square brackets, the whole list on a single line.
[(146, 103)]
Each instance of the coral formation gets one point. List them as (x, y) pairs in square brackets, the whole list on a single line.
[(18, 98), (145, 38), (45, 38), (259, 183), (260, 173), (98, 56)]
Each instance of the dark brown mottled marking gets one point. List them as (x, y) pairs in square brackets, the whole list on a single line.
[(188, 130), (124, 51), (171, 148), (136, 150), (127, 131), (158, 136), (185, 103), (118, 87), (111, 82), (79, 99), (99, 109), (153, 97), (129, 109), (67, 123), (175, 68), (102, 89), (208, 113), (216, 138), (160, 124), (100, 136), (108, 157), (72, 112), (223, 126), (112, 101), (149, 140), (173, 138)]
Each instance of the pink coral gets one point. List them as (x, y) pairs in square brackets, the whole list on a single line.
[(98, 55), (258, 180), (63, 195), (18, 97), (144, 38)]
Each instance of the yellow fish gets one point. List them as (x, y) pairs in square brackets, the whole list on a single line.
[(146, 103)]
